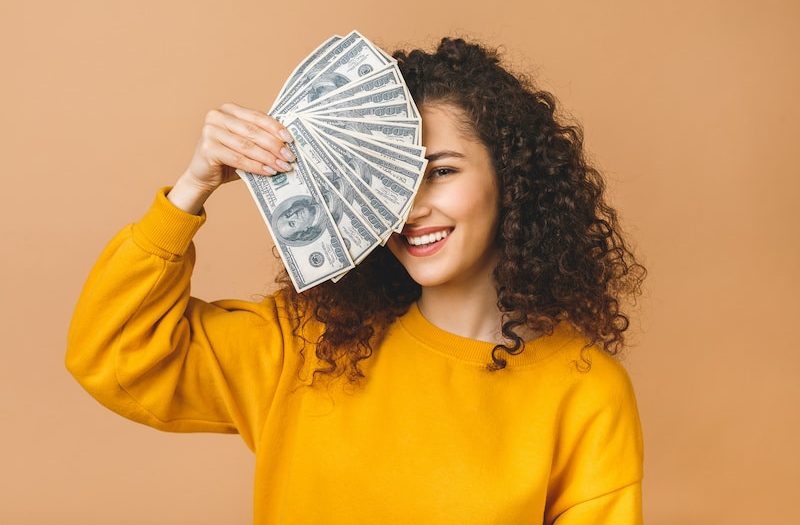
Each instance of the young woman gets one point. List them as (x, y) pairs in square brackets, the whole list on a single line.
[(478, 345)]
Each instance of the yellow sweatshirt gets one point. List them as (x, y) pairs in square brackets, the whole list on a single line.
[(431, 438)]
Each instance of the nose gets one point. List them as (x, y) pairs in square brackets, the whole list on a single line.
[(419, 209)]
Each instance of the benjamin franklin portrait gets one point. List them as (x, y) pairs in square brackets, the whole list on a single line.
[(298, 221)]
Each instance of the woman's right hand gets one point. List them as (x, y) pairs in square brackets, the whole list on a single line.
[(237, 137), (233, 137)]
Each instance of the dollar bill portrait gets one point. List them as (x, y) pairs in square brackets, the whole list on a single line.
[(326, 83), (298, 221)]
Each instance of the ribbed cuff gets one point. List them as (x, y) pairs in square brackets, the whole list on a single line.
[(166, 227)]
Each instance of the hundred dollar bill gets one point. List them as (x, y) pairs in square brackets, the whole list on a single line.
[(301, 225), (314, 68), (409, 177), (359, 239), (403, 167), (298, 72), (386, 55), (354, 192), (371, 204), (384, 78), (360, 160), (390, 95), (379, 129), (389, 134), (391, 194), (358, 60), (408, 148), (383, 193), (384, 111), (367, 142)]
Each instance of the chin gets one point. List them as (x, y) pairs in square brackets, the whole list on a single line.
[(426, 272), (427, 277)]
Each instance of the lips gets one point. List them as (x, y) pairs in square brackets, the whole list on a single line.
[(418, 240), (419, 232), (422, 242)]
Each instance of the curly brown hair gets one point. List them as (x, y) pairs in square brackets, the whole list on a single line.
[(563, 255)]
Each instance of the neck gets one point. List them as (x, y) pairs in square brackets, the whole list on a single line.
[(465, 309)]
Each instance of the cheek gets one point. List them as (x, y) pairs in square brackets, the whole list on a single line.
[(391, 244), (396, 246), (473, 204)]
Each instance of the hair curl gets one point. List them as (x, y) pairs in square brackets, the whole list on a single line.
[(563, 255)]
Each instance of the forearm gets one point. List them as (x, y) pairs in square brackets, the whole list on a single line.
[(188, 196)]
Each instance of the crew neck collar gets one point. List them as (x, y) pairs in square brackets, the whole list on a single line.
[(480, 352)]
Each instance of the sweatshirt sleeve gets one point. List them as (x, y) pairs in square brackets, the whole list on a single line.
[(598, 464), (141, 345)]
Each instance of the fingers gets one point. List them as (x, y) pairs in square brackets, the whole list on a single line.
[(257, 118), (253, 134), (240, 152), (236, 159)]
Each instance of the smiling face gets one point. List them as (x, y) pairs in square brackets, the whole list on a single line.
[(449, 237)]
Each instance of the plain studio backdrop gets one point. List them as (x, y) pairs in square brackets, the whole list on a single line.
[(690, 111)]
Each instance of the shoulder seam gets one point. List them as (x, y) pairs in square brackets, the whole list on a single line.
[(604, 494)]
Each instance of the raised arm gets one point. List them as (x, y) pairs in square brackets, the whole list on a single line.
[(144, 347)]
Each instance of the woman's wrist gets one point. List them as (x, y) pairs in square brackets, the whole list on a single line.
[(188, 196)]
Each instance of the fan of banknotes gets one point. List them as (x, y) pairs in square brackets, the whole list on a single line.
[(360, 160)]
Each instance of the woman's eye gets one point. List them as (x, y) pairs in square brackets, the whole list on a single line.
[(440, 172)]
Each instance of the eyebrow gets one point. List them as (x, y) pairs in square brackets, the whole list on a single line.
[(442, 154)]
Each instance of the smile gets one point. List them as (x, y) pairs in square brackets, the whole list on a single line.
[(428, 243), (427, 239)]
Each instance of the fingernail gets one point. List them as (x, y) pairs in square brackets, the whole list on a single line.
[(283, 165), (270, 170), (285, 135), (288, 155)]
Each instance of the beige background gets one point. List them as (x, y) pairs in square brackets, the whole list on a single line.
[(690, 109)]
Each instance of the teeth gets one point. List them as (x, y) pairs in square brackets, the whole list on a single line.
[(427, 239)]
